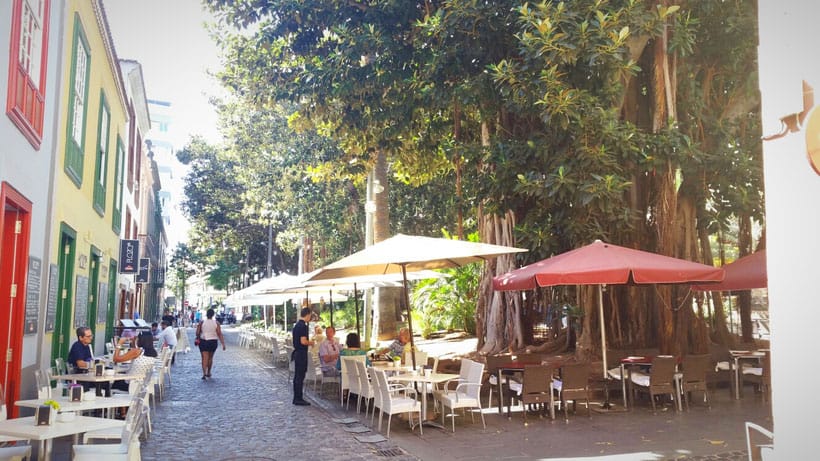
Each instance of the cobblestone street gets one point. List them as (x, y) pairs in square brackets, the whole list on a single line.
[(245, 412)]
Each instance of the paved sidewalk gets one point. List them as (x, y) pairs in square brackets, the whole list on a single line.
[(250, 416)]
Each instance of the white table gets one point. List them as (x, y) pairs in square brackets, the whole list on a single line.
[(66, 405), (25, 428), (737, 356), (425, 380), (98, 380)]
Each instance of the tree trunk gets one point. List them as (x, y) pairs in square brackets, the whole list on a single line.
[(498, 319), (389, 301), (744, 244)]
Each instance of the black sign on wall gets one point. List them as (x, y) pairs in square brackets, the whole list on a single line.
[(142, 275), (35, 268), (129, 256)]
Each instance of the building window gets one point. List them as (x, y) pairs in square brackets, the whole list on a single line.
[(27, 67), (101, 167), (119, 172), (77, 102)]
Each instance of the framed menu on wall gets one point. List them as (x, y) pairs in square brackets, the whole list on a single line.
[(51, 300), (81, 302), (33, 283)]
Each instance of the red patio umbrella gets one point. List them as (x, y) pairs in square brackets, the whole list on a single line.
[(601, 263), (744, 273)]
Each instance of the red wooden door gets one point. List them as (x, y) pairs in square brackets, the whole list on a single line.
[(15, 225)]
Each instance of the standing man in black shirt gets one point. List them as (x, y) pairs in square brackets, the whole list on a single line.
[(300, 355)]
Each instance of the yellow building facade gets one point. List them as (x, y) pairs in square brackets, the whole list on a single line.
[(91, 152)]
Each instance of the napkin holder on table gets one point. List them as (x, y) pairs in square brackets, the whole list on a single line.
[(43, 415), (75, 392)]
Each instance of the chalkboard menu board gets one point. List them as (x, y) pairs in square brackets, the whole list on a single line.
[(35, 269), (102, 302), (51, 302), (81, 302)]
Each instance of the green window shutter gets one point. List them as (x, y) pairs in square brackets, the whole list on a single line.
[(101, 166), (119, 172), (77, 104)]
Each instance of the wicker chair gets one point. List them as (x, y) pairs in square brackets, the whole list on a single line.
[(574, 386), (661, 379), (536, 388), (695, 370)]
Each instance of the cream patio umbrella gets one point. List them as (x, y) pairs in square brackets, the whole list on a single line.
[(401, 254)]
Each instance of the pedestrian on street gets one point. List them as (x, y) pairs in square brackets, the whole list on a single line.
[(208, 334), (300, 355)]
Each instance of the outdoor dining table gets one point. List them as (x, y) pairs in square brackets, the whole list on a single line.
[(97, 380), (66, 405), (628, 363), (425, 380), (26, 428), (737, 356)]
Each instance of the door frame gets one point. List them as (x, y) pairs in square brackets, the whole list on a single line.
[(14, 254), (67, 250)]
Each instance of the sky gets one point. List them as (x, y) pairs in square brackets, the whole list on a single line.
[(169, 40)]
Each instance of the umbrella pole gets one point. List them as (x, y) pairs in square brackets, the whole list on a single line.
[(409, 317), (330, 294), (356, 308), (603, 325)]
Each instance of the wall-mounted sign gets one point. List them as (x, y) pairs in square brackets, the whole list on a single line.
[(129, 256), (142, 275), (35, 268)]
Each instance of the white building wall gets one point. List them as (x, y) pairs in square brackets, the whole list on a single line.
[(31, 171), (788, 55)]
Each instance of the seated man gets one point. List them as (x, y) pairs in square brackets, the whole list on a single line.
[(168, 337), (329, 353), (155, 330), (398, 347), (81, 357)]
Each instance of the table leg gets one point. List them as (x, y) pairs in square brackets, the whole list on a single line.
[(498, 390), (623, 385), (736, 374)]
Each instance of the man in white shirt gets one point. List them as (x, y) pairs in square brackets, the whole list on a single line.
[(168, 337)]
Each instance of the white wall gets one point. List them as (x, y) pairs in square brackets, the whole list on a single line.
[(788, 54)]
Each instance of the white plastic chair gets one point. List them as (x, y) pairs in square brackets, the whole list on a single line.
[(421, 359), (3, 417), (766, 451), (347, 374), (466, 394), (17, 453), (129, 447), (392, 402), (365, 387)]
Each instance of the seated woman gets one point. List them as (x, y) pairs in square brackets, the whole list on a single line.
[(143, 357), (353, 346)]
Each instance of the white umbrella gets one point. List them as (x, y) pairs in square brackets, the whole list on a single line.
[(401, 254)]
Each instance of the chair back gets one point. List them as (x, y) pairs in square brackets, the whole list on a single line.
[(348, 370), (62, 369), (43, 384), (575, 377), (474, 375), (663, 370), (696, 367), (381, 392), (365, 387), (537, 382), (421, 358)]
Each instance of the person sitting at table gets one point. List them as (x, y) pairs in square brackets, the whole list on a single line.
[(142, 358), (398, 347), (167, 337), (80, 357), (155, 330), (353, 347), (329, 353)]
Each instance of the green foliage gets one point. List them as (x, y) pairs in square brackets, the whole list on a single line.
[(448, 303)]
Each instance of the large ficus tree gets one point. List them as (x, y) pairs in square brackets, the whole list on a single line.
[(552, 123)]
